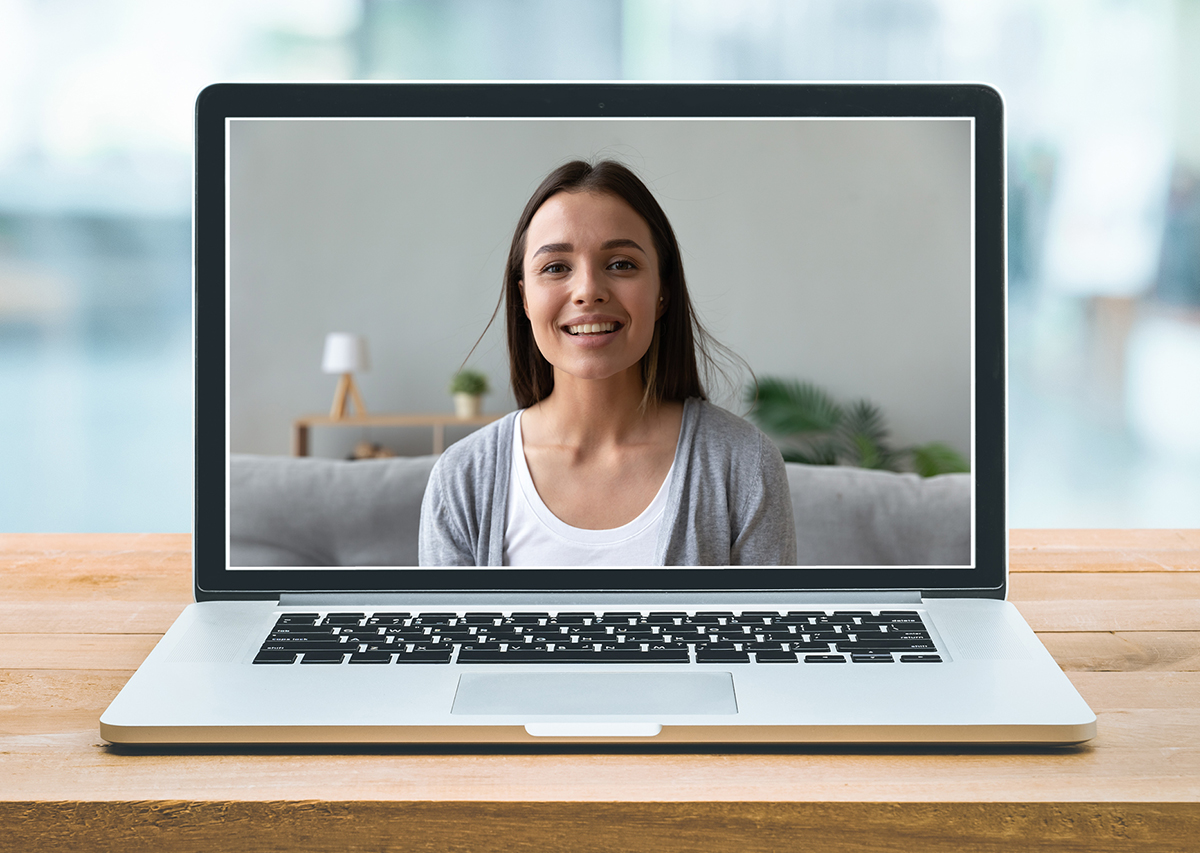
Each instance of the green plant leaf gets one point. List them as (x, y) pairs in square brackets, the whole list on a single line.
[(819, 452), (864, 435), (935, 458), (788, 408), (469, 382)]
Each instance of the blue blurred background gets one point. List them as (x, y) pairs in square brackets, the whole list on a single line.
[(96, 96)]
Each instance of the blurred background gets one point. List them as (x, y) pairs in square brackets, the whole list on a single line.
[(1103, 102)]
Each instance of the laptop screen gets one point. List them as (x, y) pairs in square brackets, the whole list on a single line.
[(835, 247)]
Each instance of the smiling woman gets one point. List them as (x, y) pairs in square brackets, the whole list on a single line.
[(615, 457)]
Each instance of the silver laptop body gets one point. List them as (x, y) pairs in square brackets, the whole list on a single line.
[(892, 630)]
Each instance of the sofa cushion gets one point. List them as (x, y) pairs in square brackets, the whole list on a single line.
[(285, 511), (856, 517)]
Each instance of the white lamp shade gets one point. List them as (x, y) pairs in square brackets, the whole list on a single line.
[(345, 353)]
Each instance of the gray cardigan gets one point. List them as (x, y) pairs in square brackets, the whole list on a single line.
[(729, 502)]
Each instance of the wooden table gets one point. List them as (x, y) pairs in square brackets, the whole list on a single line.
[(437, 422), (1120, 611)]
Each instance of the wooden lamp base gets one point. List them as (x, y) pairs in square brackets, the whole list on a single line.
[(346, 392)]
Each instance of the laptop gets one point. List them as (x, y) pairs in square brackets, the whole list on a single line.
[(843, 240)]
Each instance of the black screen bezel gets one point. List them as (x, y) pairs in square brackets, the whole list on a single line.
[(216, 103)]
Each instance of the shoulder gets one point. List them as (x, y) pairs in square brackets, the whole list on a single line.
[(474, 460), (730, 449), (720, 430), (481, 446)]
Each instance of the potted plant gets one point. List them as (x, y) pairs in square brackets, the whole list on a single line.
[(812, 428), (468, 388)]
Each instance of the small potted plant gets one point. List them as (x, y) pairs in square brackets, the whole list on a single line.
[(468, 388)]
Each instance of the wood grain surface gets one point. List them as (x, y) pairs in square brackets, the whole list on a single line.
[(1119, 610)]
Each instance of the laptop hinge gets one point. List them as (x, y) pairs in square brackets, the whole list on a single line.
[(384, 599)]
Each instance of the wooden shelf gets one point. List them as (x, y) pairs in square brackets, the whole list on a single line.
[(437, 422)]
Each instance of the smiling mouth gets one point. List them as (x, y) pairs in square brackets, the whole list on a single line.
[(592, 329)]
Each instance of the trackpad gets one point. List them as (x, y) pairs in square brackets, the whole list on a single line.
[(595, 693)]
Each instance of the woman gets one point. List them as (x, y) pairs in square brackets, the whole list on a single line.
[(614, 458)]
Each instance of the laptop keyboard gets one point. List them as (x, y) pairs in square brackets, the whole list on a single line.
[(721, 637)]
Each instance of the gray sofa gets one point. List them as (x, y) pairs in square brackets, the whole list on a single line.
[(287, 511)]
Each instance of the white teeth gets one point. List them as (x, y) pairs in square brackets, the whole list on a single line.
[(591, 328)]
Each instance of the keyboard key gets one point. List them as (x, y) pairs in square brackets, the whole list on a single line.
[(901, 615), (275, 657), (721, 656), (618, 618), (777, 634), (483, 639), (302, 631), (371, 657), (388, 618), (907, 635), (871, 658), (805, 617), (665, 618), (361, 634), (573, 618), (481, 618), (572, 654), (635, 633), (425, 656), (425, 619), (636, 655), (343, 618), (321, 657), (711, 617), (748, 639), (588, 634), (920, 658), (772, 656), (298, 619), (406, 635), (824, 659), (757, 617), (527, 618), (895, 646), (301, 644), (815, 636), (533, 654), (544, 635), (452, 630)]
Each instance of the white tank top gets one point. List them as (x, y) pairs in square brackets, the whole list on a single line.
[(534, 536)]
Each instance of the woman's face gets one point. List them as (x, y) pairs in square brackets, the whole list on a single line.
[(591, 287)]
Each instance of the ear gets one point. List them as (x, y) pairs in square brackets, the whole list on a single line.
[(662, 305), (524, 302)]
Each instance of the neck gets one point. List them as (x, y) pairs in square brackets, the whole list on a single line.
[(596, 411)]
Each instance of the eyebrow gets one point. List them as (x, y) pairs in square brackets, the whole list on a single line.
[(619, 243)]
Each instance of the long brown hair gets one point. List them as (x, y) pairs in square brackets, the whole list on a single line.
[(669, 371)]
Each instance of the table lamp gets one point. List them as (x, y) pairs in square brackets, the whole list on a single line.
[(345, 353)]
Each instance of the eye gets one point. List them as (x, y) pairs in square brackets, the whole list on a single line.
[(622, 265), (554, 268)]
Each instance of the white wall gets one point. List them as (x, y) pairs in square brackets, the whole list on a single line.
[(832, 251)]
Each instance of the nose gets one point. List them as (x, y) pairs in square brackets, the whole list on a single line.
[(591, 287)]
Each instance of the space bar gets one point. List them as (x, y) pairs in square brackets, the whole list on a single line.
[(573, 656)]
